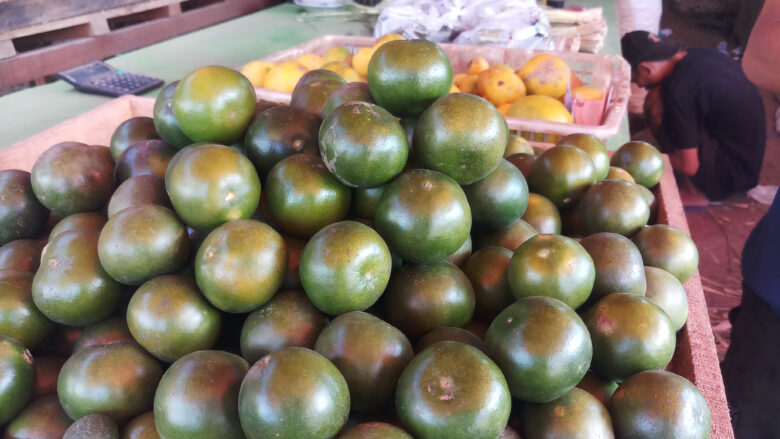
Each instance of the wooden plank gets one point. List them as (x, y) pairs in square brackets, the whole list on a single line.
[(28, 65), (27, 17), (7, 49)]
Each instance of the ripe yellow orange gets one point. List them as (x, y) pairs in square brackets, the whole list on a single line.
[(466, 83), (360, 60), (546, 75), (284, 76), (255, 71), (477, 65), (349, 74), (337, 54), (311, 61), (500, 86), (386, 39)]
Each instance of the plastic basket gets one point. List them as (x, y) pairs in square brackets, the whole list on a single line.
[(611, 74)]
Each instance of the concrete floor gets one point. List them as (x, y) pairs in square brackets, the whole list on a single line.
[(721, 229)]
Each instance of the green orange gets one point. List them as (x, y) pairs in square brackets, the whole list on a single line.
[(642, 160), (71, 287), (657, 403), (280, 132), (542, 346), (619, 266), (349, 92), (165, 121), (553, 266), (22, 255), (19, 317), (21, 214), (240, 265), (576, 415), (143, 189), (118, 380), (562, 174), (453, 390), (595, 149), (303, 196), (499, 199), (214, 104), (72, 177), (362, 144), (421, 298), (405, 77), (198, 397), (371, 355), (106, 332), (614, 206), (293, 393), (375, 430), (313, 90), (345, 267), (424, 216), (132, 130), (668, 293), (462, 136), (141, 242), (510, 237), (212, 184), (630, 334), (542, 214), (144, 158), (79, 221), (41, 419), (288, 320), (17, 377), (668, 248), (486, 269), (170, 318)]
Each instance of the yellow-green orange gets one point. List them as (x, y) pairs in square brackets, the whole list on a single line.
[(345, 267), (614, 206), (575, 415), (553, 266), (288, 320), (562, 174), (141, 242), (657, 403), (642, 160), (363, 145), (313, 90), (22, 255), (303, 196), (165, 121), (375, 430), (71, 287), (630, 334), (424, 216), (293, 393), (510, 238), (453, 390), (19, 317), (212, 184), (421, 298), (462, 136), (198, 397), (132, 130), (240, 265), (542, 346), (118, 380), (214, 104), (542, 214), (170, 318), (499, 199), (668, 248), (405, 77), (141, 427), (41, 419), (371, 355)]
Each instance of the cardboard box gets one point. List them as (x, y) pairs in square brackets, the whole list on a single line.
[(695, 357)]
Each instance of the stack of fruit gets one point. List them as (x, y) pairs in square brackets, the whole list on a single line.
[(390, 280), (283, 76)]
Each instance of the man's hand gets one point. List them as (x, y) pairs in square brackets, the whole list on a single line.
[(685, 161)]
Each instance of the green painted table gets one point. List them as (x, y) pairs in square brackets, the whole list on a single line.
[(231, 43)]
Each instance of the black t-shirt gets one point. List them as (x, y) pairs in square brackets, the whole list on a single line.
[(709, 104)]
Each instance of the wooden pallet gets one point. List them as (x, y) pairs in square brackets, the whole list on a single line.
[(44, 46)]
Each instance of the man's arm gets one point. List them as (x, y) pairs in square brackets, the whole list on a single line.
[(761, 62), (685, 161)]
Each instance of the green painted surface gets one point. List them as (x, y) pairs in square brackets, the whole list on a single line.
[(232, 43)]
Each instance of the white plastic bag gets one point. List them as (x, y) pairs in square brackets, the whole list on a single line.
[(506, 23)]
